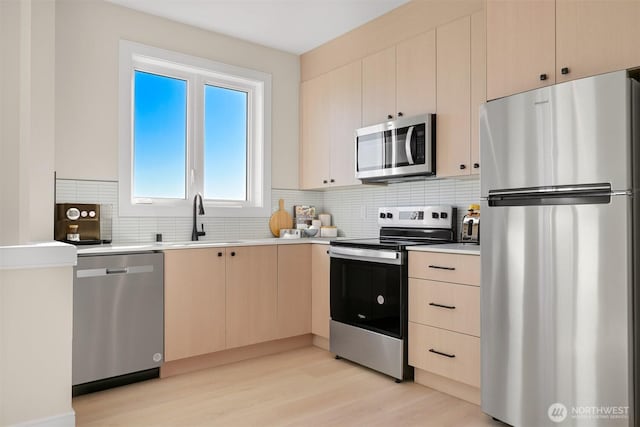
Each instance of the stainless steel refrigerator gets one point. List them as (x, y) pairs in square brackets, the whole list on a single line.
[(559, 254)]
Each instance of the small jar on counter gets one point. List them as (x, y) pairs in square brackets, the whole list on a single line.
[(72, 233)]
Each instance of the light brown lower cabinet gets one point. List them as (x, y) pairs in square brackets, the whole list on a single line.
[(223, 298), (444, 322), (320, 290), (449, 354), (252, 294), (194, 308), (294, 290)]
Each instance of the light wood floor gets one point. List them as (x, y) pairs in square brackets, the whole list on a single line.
[(305, 387)]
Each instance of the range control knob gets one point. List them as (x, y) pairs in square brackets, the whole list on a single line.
[(383, 215), (435, 215), (443, 215), (389, 215)]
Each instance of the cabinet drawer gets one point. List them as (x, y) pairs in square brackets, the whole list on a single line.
[(445, 305), (449, 354), (445, 267)]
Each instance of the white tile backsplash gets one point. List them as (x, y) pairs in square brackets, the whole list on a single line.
[(354, 210)]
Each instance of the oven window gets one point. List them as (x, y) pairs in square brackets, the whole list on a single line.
[(367, 295)]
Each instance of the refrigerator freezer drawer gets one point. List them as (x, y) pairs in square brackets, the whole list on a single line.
[(449, 354), (445, 305)]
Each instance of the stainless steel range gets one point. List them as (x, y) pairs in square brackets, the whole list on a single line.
[(369, 287)]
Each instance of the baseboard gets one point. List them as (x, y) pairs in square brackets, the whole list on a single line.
[(67, 419), (448, 386), (321, 342), (233, 355)]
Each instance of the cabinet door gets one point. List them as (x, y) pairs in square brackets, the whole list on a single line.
[(294, 290), (520, 45), (416, 75), (194, 302), (379, 87), (595, 37), (252, 294), (454, 98), (478, 83), (345, 117), (315, 149), (320, 290)]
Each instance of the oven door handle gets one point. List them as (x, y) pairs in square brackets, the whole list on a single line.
[(370, 255)]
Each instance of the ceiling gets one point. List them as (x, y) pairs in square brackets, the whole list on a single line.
[(294, 26)]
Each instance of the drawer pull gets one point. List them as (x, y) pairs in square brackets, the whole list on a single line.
[(439, 267), (450, 307), (451, 356)]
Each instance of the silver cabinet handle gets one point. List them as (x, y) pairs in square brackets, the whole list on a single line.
[(439, 267), (124, 270), (450, 356), (449, 307)]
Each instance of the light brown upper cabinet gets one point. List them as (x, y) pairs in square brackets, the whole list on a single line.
[(251, 294), (594, 37), (478, 83), (315, 150), (194, 303), (400, 81), (331, 107), (534, 43), (379, 87), (461, 88), (520, 46), (453, 120), (294, 290)]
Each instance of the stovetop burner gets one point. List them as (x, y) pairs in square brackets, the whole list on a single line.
[(409, 226)]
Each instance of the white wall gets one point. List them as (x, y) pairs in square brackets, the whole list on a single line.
[(36, 311), (26, 120), (87, 36)]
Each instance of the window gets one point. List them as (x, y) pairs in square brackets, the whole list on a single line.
[(190, 125)]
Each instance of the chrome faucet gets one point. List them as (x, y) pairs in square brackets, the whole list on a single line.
[(195, 233)]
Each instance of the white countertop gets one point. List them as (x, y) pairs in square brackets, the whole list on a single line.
[(452, 248), (164, 246), (37, 255)]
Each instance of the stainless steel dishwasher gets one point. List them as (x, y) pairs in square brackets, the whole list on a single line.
[(118, 320)]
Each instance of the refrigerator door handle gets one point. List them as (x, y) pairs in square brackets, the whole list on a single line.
[(552, 195)]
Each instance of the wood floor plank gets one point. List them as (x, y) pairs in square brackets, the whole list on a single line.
[(305, 387)]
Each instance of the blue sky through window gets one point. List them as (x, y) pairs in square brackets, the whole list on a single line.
[(225, 143), (160, 136)]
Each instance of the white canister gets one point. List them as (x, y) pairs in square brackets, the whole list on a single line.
[(325, 219), (316, 223)]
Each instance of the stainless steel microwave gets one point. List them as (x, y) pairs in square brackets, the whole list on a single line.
[(396, 149)]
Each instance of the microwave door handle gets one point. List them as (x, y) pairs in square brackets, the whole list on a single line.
[(407, 145)]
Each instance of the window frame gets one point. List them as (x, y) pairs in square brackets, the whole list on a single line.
[(198, 72)]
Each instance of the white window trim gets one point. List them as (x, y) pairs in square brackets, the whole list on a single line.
[(146, 58)]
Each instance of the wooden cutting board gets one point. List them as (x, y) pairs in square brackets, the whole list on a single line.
[(280, 219)]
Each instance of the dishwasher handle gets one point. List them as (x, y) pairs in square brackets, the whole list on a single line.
[(98, 272)]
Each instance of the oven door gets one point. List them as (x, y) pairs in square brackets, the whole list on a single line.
[(369, 289)]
